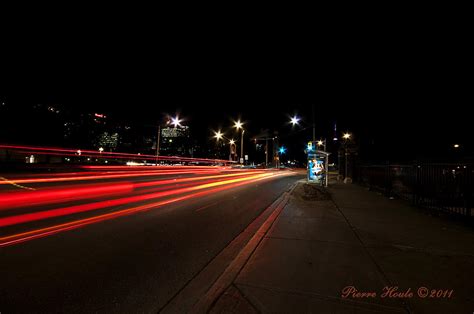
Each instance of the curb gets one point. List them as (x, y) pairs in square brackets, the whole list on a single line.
[(234, 268)]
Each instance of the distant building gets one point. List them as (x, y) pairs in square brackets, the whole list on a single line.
[(108, 142), (175, 141), (92, 131)]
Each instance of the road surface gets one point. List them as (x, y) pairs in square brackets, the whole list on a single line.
[(115, 239)]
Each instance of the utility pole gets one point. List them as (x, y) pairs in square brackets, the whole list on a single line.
[(314, 124), (242, 146), (266, 152), (158, 143), (266, 146)]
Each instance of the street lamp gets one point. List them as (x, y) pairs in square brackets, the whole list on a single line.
[(239, 125), (231, 149), (322, 143), (346, 136), (294, 120), (176, 121), (218, 135)]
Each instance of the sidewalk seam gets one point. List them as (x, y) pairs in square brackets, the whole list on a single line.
[(246, 298), (406, 305)]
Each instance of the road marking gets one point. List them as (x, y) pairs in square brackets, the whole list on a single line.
[(206, 206), (15, 184)]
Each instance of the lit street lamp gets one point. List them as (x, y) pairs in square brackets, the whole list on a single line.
[(295, 120), (231, 149), (322, 143), (218, 135), (176, 121), (346, 136), (239, 125)]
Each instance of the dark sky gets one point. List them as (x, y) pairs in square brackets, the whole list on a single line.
[(400, 92)]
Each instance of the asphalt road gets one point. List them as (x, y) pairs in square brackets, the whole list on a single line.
[(135, 262)]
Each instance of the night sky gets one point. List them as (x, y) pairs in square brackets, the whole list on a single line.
[(401, 99)]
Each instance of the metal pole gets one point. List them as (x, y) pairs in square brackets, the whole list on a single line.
[(242, 146), (158, 143), (345, 174), (266, 152), (327, 169), (314, 125)]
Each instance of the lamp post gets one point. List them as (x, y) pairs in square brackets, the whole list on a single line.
[(346, 136), (218, 136), (239, 125), (158, 138), (231, 150)]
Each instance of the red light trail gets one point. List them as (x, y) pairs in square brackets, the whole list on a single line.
[(156, 192), (107, 176), (109, 203), (102, 154)]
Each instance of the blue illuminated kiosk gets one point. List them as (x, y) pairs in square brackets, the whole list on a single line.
[(317, 166)]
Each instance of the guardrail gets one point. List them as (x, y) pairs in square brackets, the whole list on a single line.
[(440, 187)]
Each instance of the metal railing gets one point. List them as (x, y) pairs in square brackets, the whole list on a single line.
[(441, 187)]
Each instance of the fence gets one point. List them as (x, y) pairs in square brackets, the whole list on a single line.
[(441, 187)]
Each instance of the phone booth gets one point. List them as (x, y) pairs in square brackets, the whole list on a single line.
[(317, 166)]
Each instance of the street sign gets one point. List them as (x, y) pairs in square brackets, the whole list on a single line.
[(241, 160), (246, 157)]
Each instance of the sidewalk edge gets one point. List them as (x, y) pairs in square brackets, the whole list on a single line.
[(234, 268)]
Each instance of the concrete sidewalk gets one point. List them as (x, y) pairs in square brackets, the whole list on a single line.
[(317, 248)]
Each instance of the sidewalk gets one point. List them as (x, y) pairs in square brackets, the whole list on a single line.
[(316, 248)]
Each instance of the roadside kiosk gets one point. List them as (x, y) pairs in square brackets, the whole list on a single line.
[(317, 166)]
